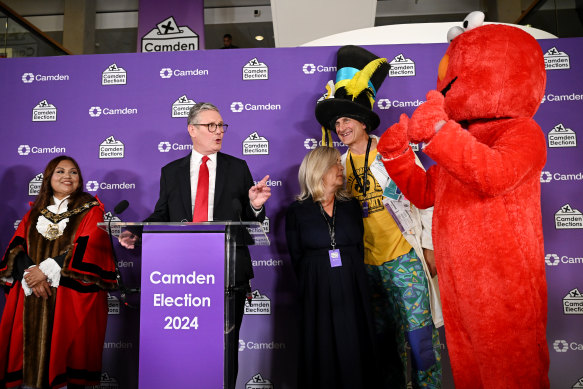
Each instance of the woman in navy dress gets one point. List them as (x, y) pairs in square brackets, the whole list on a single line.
[(324, 232)]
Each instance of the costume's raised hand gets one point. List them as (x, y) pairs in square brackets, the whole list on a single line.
[(394, 140), (258, 194), (427, 118)]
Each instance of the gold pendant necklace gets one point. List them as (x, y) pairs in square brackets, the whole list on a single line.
[(52, 232)]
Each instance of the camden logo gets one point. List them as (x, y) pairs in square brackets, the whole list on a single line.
[(258, 382), (166, 146), (181, 107), (578, 384), (255, 145), (28, 78), (560, 136), (93, 186), (237, 106), (573, 303), (17, 223), (384, 103), (95, 112), (44, 112), (112, 305), (107, 382), (555, 59), (114, 75), (23, 150), (561, 346), (115, 230), (167, 72), (310, 68), (402, 67), (267, 262), (168, 36), (564, 97), (35, 184), (568, 218), (552, 259), (26, 149), (111, 148), (259, 304), (255, 70), (250, 345), (311, 143), (547, 177)]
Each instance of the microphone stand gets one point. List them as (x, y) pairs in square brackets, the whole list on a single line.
[(123, 290)]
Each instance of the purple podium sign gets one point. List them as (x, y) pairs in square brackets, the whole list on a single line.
[(182, 310)]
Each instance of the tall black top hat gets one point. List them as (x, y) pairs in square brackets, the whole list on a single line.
[(359, 74)]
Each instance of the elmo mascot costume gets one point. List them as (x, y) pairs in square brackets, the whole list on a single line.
[(485, 187)]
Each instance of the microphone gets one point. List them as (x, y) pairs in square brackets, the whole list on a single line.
[(124, 290), (120, 207), (237, 208)]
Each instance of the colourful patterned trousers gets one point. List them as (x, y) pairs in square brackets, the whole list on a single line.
[(400, 303)]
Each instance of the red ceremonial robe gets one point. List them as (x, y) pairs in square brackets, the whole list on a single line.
[(47, 343)]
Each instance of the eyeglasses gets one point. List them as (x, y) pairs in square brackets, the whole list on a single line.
[(212, 127)]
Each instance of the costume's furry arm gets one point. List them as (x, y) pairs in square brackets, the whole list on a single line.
[(415, 183), (517, 151)]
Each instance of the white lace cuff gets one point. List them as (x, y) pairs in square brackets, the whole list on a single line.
[(52, 270), (7, 280), (27, 290)]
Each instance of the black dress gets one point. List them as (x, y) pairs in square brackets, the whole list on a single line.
[(336, 347)]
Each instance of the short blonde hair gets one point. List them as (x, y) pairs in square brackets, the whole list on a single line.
[(312, 170)]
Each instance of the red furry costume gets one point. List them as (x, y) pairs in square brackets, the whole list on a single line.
[(485, 187)]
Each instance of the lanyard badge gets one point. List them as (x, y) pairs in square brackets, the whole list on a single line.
[(334, 253), (363, 184)]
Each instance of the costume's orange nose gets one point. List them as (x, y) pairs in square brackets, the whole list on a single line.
[(443, 67)]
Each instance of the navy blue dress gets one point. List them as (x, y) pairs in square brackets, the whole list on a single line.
[(336, 334)]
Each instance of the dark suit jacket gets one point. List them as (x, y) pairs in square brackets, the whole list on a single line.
[(231, 201)]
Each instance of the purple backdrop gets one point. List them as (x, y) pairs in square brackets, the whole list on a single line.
[(124, 122)]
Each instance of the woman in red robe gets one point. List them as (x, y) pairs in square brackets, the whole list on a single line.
[(57, 270)]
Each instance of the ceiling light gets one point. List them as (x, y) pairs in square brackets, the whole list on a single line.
[(259, 37)]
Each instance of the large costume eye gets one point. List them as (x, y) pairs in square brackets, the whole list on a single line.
[(453, 33), (473, 20)]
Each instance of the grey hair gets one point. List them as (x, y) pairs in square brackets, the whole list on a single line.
[(311, 174), (198, 108)]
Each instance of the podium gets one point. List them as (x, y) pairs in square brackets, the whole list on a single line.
[(186, 299)]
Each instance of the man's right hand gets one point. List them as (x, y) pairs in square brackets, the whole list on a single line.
[(128, 239)]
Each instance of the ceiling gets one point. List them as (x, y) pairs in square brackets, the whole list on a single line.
[(116, 20)]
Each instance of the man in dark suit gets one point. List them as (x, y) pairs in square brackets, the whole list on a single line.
[(222, 190)]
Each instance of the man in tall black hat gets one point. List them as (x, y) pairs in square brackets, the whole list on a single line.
[(397, 236)]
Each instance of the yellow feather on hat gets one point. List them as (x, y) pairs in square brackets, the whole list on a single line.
[(359, 82)]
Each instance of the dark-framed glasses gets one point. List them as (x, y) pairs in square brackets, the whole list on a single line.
[(213, 127)]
